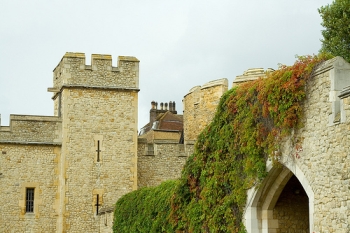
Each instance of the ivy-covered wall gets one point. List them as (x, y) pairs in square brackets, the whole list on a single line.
[(230, 154)]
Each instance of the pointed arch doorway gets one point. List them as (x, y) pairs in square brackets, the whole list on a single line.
[(282, 203)]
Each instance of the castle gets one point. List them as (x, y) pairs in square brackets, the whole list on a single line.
[(64, 173)]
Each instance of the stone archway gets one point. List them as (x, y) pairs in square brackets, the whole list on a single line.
[(269, 206)]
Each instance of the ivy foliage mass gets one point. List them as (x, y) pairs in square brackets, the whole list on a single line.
[(231, 153), (229, 158), (145, 210)]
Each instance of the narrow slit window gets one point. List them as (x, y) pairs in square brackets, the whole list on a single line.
[(98, 151), (30, 200), (97, 203)]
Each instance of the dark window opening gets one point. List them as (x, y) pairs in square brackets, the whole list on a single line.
[(30, 200)]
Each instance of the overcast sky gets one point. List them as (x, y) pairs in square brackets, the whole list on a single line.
[(180, 44)]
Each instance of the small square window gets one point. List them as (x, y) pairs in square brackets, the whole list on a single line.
[(150, 149), (29, 200)]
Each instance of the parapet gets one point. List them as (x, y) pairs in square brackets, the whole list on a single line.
[(219, 82), (72, 71), (215, 83), (200, 104), (250, 75), (28, 129)]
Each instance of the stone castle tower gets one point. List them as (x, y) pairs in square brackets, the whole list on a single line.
[(59, 171)]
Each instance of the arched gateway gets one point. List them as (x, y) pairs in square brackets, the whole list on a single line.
[(309, 190), (283, 201)]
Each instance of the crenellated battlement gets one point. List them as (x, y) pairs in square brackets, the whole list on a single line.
[(72, 71)]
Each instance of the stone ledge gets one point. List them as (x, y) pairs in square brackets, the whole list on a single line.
[(344, 93), (100, 87), (165, 141), (93, 87), (14, 117), (31, 143)]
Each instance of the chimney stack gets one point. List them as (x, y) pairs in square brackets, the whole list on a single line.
[(164, 107)]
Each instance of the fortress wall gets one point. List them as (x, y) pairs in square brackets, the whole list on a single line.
[(200, 106), (28, 166), (164, 164), (29, 129), (321, 149)]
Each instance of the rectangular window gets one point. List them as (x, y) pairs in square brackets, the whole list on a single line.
[(29, 200)]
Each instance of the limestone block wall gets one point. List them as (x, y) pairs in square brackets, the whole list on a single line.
[(106, 221), (32, 129), (110, 118), (322, 149), (28, 166), (200, 106), (165, 163)]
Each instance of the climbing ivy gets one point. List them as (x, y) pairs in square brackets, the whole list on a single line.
[(145, 210), (229, 158), (231, 152)]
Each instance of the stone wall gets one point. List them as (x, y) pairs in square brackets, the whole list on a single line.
[(199, 107), (317, 154), (105, 221), (321, 150), (88, 121), (28, 166), (164, 162)]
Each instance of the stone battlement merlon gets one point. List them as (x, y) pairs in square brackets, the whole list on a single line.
[(72, 70)]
